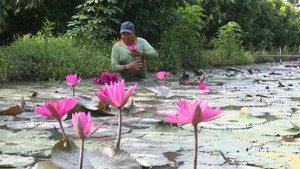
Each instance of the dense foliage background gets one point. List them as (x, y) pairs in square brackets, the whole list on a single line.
[(43, 40)]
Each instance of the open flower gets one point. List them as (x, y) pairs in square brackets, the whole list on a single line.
[(188, 113), (203, 86), (73, 79), (133, 47), (56, 110), (114, 94), (162, 75), (193, 113), (106, 77)]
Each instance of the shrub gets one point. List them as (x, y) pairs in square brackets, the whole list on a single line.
[(43, 58), (181, 45), (227, 47), (4, 66)]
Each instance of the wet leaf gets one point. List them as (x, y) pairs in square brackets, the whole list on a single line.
[(45, 165), (86, 104), (13, 110), (12, 161), (65, 154), (112, 158), (26, 142), (281, 160), (162, 91)]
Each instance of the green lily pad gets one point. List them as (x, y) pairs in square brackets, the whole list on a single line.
[(12, 161)]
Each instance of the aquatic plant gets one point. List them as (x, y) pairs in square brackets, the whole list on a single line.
[(133, 47), (73, 80), (106, 77), (115, 95), (203, 86), (56, 110), (83, 125), (193, 113), (162, 75)]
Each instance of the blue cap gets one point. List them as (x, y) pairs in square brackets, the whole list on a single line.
[(127, 27)]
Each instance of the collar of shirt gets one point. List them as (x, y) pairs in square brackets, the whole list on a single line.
[(121, 42)]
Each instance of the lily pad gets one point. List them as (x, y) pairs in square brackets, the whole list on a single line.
[(13, 110), (45, 165), (66, 153), (162, 91), (12, 161)]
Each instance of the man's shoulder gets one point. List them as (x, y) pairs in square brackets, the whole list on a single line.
[(117, 45), (141, 39)]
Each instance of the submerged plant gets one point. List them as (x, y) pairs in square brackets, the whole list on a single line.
[(114, 94), (83, 125), (73, 80), (56, 110), (193, 113)]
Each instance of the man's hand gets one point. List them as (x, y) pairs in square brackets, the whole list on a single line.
[(136, 53), (134, 65)]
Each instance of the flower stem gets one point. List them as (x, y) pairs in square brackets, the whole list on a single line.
[(81, 154), (73, 89), (195, 146), (62, 129), (119, 129)]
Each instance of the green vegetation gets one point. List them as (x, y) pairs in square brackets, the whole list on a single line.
[(32, 58), (43, 43)]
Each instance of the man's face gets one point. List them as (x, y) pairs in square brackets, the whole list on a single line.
[(127, 37)]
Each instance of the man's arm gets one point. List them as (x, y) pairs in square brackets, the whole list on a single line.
[(115, 59), (149, 51)]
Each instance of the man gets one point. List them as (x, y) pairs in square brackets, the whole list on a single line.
[(129, 55)]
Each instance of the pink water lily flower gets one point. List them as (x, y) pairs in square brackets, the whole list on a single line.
[(106, 77), (83, 124), (193, 113), (115, 95), (162, 75), (187, 113), (101, 92), (56, 110), (133, 47), (73, 79), (203, 86)]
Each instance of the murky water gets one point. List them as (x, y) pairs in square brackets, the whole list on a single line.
[(260, 103)]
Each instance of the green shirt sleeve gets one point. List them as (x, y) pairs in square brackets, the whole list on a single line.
[(149, 51), (115, 58)]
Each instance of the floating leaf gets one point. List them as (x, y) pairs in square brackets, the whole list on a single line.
[(14, 110), (112, 158), (95, 107), (12, 161), (65, 154), (161, 91), (45, 165)]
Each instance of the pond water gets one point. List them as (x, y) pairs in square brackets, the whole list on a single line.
[(260, 128)]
